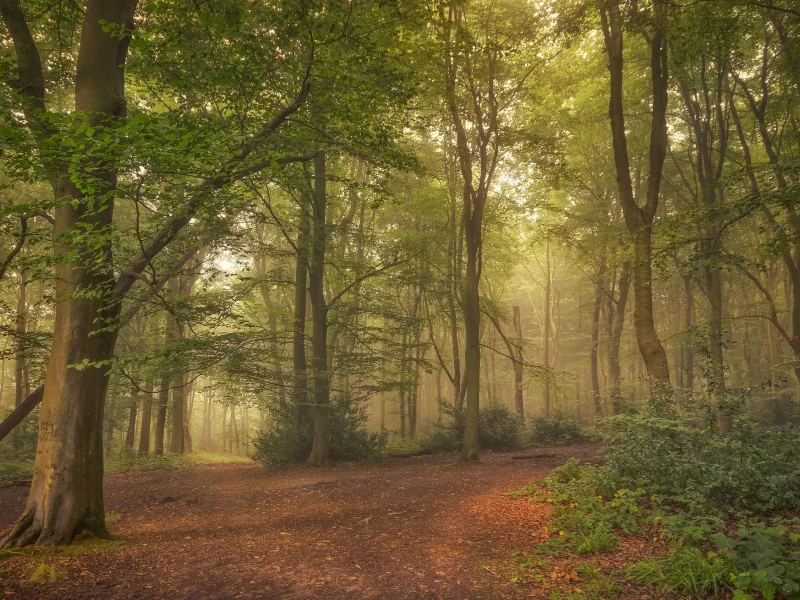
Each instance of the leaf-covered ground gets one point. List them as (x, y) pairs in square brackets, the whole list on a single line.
[(410, 528)]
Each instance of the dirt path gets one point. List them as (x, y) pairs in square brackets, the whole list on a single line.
[(412, 528)]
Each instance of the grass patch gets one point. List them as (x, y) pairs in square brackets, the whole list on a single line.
[(46, 573), (80, 547), (16, 470), (687, 570), (126, 463), (400, 446), (113, 517)]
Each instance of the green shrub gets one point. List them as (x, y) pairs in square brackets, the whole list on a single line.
[(746, 470), (556, 430), (289, 440), (499, 428), (440, 438), (665, 475), (763, 559)]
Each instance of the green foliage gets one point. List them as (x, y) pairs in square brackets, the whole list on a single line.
[(763, 559), (556, 430), (499, 428), (584, 520), (746, 470), (599, 540), (688, 570), (440, 438), (664, 476), (758, 562), (290, 438)]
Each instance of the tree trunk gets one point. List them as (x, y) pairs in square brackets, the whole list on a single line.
[(130, 434), (547, 329), (299, 368), (176, 442), (403, 382), (518, 363), (320, 448), (163, 394), (716, 374), (615, 375), (472, 322), (598, 303), (147, 416), (638, 219), (19, 362), (66, 493), (454, 274)]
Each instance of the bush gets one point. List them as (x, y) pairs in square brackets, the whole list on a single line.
[(289, 440), (440, 438), (746, 470), (667, 478), (556, 430), (499, 428)]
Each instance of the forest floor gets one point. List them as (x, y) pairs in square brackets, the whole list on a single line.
[(406, 528)]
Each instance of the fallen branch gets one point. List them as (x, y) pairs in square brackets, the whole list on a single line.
[(409, 454), (532, 456)]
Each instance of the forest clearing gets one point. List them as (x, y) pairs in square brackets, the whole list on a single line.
[(413, 528), (400, 299)]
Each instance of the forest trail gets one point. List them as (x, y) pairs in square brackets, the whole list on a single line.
[(411, 528)]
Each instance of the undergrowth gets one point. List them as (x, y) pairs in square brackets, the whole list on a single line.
[(722, 504)]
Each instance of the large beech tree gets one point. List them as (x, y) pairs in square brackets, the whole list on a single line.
[(66, 492)]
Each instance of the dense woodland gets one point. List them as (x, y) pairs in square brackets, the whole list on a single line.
[(309, 230)]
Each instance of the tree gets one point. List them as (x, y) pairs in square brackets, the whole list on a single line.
[(639, 219)]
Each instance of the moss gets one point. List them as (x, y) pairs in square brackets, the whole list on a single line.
[(79, 547), (46, 573)]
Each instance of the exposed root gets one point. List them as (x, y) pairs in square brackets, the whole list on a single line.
[(30, 530), (24, 532)]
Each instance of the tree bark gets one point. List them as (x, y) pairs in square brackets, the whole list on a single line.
[(594, 362), (639, 220), (147, 416), (67, 489), (320, 448), (176, 442), (618, 325), (19, 361), (299, 367), (519, 402), (547, 329), (133, 410)]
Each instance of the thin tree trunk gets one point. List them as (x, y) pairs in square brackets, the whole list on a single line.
[(299, 368), (19, 363), (518, 363), (147, 409), (547, 329), (615, 375), (133, 409), (320, 448), (598, 302)]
